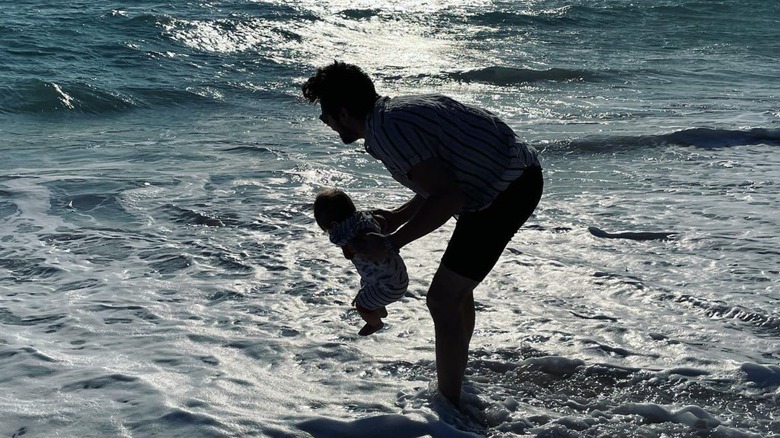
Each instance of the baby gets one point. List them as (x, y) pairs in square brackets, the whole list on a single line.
[(382, 281)]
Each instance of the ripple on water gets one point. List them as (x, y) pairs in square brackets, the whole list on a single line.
[(28, 269)]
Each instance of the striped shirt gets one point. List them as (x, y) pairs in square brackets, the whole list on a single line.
[(479, 150)]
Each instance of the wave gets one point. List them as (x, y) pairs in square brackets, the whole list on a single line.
[(525, 19), (37, 96), (144, 20), (714, 138), (192, 217), (616, 15), (505, 76), (763, 376), (708, 138)]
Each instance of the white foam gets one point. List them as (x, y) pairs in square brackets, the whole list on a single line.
[(693, 416), (557, 365)]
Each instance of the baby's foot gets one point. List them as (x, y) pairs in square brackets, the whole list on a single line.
[(370, 329)]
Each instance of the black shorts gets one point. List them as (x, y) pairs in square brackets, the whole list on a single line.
[(481, 236)]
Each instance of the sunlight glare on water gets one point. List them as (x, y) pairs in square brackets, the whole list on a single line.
[(390, 42), (161, 273)]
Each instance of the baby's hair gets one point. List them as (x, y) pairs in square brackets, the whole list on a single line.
[(332, 205)]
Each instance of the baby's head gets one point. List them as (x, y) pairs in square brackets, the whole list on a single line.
[(331, 207)]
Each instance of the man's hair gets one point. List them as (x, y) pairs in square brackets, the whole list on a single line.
[(332, 205), (341, 85)]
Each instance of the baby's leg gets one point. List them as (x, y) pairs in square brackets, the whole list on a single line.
[(369, 329), (373, 318)]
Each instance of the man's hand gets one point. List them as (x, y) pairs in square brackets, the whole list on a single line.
[(370, 246), (386, 219)]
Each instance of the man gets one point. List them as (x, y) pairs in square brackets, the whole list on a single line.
[(459, 160)]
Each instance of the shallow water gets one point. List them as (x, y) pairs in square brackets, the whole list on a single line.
[(161, 274)]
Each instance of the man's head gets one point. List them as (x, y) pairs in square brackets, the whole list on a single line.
[(346, 95), (332, 206)]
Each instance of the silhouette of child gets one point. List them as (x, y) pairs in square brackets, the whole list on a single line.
[(383, 280)]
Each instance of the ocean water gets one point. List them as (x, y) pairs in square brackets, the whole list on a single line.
[(161, 274)]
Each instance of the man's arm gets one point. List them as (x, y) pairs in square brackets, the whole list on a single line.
[(445, 199), (426, 214), (391, 220)]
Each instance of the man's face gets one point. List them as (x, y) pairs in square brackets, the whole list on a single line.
[(343, 124)]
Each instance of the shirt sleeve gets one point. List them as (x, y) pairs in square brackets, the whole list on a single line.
[(410, 141)]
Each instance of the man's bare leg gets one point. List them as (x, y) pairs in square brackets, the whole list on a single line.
[(451, 303), (469, 315)]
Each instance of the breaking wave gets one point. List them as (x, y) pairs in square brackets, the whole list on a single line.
[(696, 137), (45, 97), (506, 76)]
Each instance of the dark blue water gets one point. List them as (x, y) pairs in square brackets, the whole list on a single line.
[(161, 274)]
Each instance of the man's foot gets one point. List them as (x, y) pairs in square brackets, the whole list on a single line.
[(370, 329), (383, 312)]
